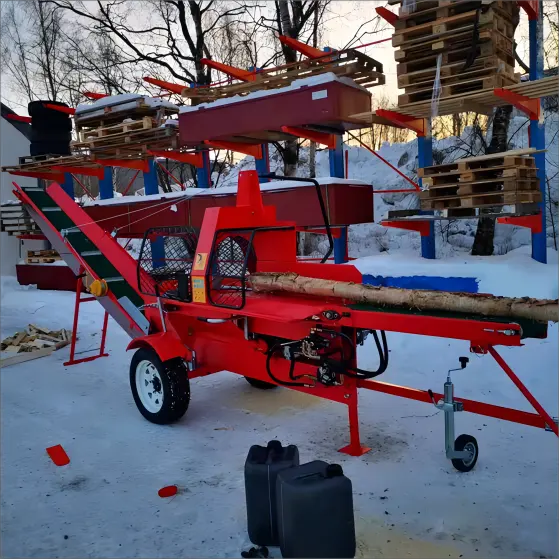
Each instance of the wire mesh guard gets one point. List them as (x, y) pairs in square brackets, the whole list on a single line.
[(231, 262), (166, 255)]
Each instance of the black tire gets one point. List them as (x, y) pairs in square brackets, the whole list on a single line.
[(262, 385), (38, 109), (51, 136), (175, 387), (466, 442), (48, 128), (54, 148)]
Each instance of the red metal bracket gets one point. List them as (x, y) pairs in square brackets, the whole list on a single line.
[(248, 149), (328, 140), (138, 164), (94, 96), (173, 87), (67, 110), (531, 7), (31, 237), (387, 15), (532, 222), (56, 177), (195, 159), (86, 171), (531, 107), (238, 73), (303, 48), (400, 120), (19, 118), (421, 226)]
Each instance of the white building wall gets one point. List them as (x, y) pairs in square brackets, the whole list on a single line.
[(13, 144)]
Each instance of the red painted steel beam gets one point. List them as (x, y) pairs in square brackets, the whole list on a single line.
[(67, 110), (56, 177), (248, 149), (86, 171), (528, 395), (400, 120), (173, 87), (531, 7), (137, 164), (94, 96), (387, 15), (531, 107), (163, 168), (19, 118), (303, 48), (480, 408), (238, 73), (328, 140), (421, 226), (195, 159), (532, 222), (130, 183)]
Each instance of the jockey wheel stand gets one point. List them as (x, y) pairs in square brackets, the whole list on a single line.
[(462, 452)]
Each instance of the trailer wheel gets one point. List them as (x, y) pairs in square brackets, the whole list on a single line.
[(263, 385), (469, 443), (161, 390)]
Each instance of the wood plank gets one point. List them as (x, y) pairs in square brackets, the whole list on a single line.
[(26, 356)]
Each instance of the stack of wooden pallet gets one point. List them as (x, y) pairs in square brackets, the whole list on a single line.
[(475, 47), (507, 178), (15, 220), (42, 256)]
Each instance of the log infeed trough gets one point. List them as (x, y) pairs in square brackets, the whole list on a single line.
[(197, 302)]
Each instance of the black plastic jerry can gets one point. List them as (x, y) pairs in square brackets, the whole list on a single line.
[(315, 511), (261, 469)]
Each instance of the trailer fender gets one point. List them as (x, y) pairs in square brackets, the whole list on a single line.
[(167, 345)]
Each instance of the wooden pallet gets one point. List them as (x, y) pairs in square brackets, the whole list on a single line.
[(15, 221), (464, 213), (146, 123), (481, 200), (451, 26), (42, 256), (458, 87), (352, 64), (452, 178), (424, 15)]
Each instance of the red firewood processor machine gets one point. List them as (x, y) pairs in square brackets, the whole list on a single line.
[(188, 305)]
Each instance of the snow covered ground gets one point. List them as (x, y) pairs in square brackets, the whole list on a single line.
[(409, 501)]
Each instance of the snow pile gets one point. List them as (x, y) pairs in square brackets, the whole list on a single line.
[(119, 103)]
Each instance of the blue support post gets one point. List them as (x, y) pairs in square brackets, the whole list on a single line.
[(263, 164), (537, 136), (336, 158), (425, 159), (106, 184), (68, 184), (151, 184), (204, 174)]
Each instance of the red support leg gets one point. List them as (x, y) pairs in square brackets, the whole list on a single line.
[(76, 314), (354, 448), (535, 404), (104, 333)]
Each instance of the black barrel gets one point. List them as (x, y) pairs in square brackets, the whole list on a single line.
[(51, 130), (261, 469), (315, 511)]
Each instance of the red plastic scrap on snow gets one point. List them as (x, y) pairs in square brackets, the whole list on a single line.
[(58, 455), (168, 491)]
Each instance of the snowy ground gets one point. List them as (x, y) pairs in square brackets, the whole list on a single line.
[(409, 501)]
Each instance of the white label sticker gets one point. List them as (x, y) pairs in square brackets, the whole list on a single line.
[(319, 94)]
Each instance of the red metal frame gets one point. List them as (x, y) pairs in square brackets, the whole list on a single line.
[(170, 174), (531, 7), (96, 171), (328, 140), (532, 222), (248, 149), (56, 177), (94, 96), (387, 15), (421, 226), (194, 159), (400, 120), (137, 164), (173, 87), (77, 304), (19, 118), (130, 183), (302, 48), (237, 73), (531, 107), (84, 188), (68, 110)]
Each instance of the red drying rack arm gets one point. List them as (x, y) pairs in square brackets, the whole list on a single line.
[(173, 87)]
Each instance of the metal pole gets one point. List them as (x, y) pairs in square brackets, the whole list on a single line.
[(537, 131), (106, 184), (204, 174), (336, 158), (68, 184), (263, 164), (425, 158), (151, 184)]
